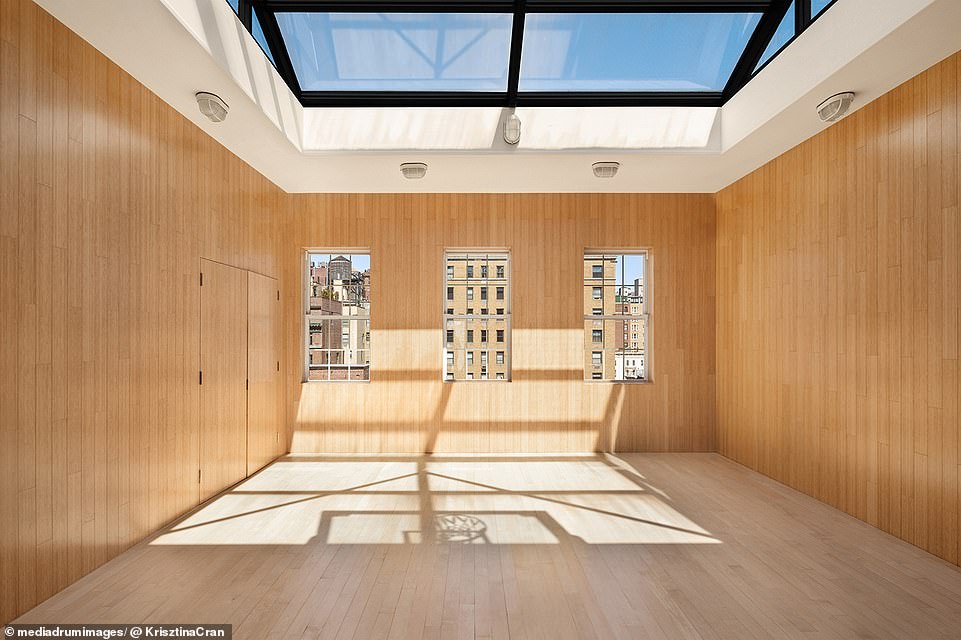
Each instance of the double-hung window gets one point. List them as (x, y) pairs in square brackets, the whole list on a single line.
[(617, 289), (337, 309), (467, 271)]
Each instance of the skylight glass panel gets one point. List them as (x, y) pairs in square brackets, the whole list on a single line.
[(398, 51), (633, 51), (257, 31), (785, 31), (817, 6)]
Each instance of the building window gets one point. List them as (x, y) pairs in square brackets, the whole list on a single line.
[(619, 325), (462, 320), (337, 309), (450, 336)]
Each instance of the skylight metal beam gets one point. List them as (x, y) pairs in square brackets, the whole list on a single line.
[(773, 11), (532, 6), (755, 47)]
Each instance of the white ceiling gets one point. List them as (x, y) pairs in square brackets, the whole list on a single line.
[(178, 47)]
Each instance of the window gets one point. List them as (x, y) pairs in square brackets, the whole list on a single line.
[(434, 54), (337, 306), (619, 325), (450, 336), (468, 326)]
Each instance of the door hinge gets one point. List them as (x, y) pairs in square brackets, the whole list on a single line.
[(201, 377), (199, 475), (278, 294), (278, 365), (247, 384), (201, 278)]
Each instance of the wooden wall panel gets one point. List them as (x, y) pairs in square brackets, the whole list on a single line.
[(108, 200), (223, 361), (547, 407), (265, 339), (838, 306)]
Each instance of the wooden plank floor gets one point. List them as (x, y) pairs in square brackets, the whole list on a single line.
[(631, 546)]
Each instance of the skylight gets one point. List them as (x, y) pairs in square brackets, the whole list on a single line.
[(516, 53)]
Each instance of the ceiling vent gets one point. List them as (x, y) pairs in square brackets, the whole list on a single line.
[(413, 170), (835, 107), (212, 106), (605, 169)]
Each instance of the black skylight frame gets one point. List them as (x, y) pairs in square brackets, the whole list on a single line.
[(773, 11)]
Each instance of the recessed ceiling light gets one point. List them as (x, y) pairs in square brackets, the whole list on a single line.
[(413, 170), (605, 169), (212, 106)]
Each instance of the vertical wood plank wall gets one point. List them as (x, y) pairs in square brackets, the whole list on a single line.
[(108, 200), (547, 407), (837, 304)]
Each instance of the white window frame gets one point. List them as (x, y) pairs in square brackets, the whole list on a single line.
[(506, 315), (305, 295), (647, 307)]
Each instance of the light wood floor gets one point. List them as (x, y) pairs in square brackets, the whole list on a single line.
[(632, 546)]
